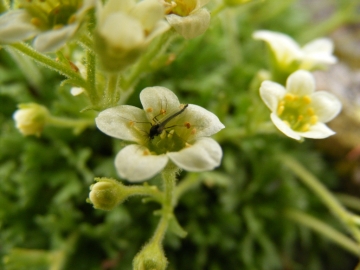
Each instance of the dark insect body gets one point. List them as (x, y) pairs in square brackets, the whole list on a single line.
[(158, 128)]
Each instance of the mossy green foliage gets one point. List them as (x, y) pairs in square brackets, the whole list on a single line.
[(234, 221)]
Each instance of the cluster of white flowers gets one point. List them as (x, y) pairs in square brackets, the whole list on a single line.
[(124, 27), (52, 22)]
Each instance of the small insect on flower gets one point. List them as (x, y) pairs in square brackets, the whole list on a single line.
[(158, 128), (177, 132)]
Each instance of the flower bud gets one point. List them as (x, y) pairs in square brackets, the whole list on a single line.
[(31, 118), (151, 257), (107, 193)]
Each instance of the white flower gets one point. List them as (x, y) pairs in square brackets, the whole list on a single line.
[(187, 17), (288, 53), (31, 118), (52, 22), (125, 28), (298, 111), (182, 137)]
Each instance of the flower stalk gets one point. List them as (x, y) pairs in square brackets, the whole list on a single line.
[(324, 229), (348, 219)]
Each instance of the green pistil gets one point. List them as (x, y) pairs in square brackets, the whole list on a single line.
[(168, 141), (297, 112)]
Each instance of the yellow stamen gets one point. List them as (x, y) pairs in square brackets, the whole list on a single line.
[(146, 152), (307, 99), (300, 117), (313, 119), (149, 110), (280, 109), (305, 128), (193, 131), (289, 97), (72, 19), (36, 21), (310, 111)]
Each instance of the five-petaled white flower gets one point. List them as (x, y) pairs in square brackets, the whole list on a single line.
[(165, 130), (187, 17), (289, 55), (125, 28), (52, 22), (298, 111)]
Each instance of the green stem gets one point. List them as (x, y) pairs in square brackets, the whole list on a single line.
[(51, 63), (143, 64), (323, 194), (77, 124), (169, 182), (218, 9), (341, 17), (324, 229), (91, 77), (112, 90), (151, 191)]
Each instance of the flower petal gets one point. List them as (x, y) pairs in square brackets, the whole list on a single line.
[(320, 45), (271, 93), (326, 106), (16, 26), (317, 131), (53, 40), (160, 27), (284, 47), (148, 12), (124, 122), (127, 37), (205, 122), (135, 163), (157, 99), (284, 128), (205, 154), (113, 6), (192, 25), (201, 3), (300, 83)]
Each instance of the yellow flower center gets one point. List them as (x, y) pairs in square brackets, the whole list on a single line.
[(297, 112), (52, 14), (183, 7)]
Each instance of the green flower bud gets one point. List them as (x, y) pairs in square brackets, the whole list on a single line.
[(151, 257), (107, 193), (31, 118)]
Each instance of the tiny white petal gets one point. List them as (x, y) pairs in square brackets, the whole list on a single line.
[(75, 91), (122, 37), (201, 3), (159, 28), (192, 25), (118, 122), (284, 47), (317, 131), (16, 26), (205, 154), (158, 98), (284, 128), (323, 45), (53, 40), (135, 163), (271, 93), (300, 83), (205, 122), (148, 12), (326, 106)]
